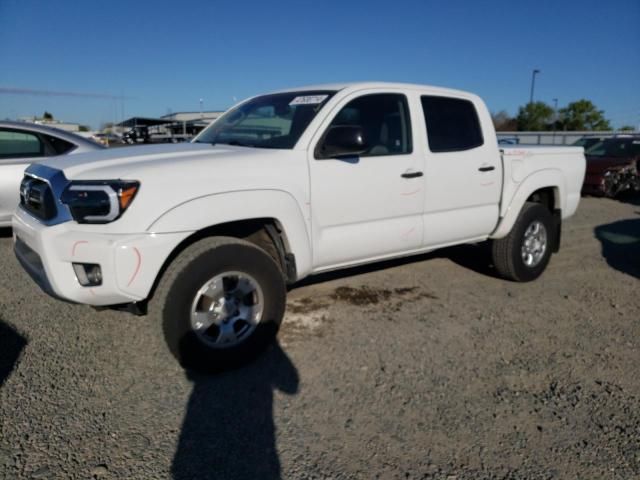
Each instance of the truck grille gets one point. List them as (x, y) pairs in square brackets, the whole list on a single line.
[(37, 198)]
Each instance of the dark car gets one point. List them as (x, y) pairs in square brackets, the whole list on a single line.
[(587, 142), (613, 167)]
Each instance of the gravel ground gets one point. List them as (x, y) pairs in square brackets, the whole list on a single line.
[(428, 368)]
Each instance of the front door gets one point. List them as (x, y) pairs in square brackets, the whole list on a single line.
[(368, 206)]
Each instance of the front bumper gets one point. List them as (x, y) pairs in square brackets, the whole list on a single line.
[(130, 263)]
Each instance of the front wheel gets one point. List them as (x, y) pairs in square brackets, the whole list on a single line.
[(221, 302), (525, 252)]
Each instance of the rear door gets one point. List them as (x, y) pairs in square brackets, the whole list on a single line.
[(463, 172), (368, 206)]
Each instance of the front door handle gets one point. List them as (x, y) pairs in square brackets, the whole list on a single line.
[(411, 174), (486, 169)]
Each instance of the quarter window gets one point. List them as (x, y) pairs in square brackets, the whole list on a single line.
[(452, 124), (384, 119), (17, 144), (58, 145)]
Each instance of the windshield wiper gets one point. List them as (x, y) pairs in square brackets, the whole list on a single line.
[(236, 143)]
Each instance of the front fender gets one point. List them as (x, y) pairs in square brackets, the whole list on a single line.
[(514, 200), (211, 210)]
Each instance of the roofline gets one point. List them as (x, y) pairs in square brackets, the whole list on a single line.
[(199, 112), (40, 128), (355, 86)]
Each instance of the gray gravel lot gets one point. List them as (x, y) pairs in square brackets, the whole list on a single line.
[(429, 368)]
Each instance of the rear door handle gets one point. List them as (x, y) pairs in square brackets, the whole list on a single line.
[(486, 169), (411, 174)]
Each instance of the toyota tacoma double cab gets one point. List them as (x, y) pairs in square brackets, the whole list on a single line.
[(206, 236)]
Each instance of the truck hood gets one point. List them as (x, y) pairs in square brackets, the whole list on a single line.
[(599, 165), (172, 175), (122, 162)]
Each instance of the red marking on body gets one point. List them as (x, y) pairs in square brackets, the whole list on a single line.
[(139, 262), (73, 249), (411, 193), (406, 234)]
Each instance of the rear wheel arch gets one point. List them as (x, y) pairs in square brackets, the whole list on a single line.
[(547, 196), (550, 198), (546, 187)]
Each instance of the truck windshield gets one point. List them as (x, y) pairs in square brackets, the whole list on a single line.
[(269, 121)]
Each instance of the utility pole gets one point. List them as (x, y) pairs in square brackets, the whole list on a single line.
[(201, 116), (555, 118), (533, 84)]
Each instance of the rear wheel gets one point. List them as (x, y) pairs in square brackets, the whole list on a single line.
[(221, 302), (524, 254)]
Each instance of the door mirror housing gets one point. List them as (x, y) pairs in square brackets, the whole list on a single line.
[(342, 141)]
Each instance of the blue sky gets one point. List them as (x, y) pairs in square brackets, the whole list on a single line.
[(166, 55)]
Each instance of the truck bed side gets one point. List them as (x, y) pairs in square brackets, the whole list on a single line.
[(529, 169)]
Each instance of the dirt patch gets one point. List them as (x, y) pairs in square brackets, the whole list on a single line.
[(308, 314), (361, 296), (358, 296), (306, 305)]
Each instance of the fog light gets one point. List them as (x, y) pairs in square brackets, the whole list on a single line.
[(88, 274)]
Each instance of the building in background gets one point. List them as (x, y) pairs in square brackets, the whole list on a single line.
[(67, 126), (207, 117), (174, 127)]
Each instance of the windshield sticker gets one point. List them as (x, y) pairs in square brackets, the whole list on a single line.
[(308, 100)]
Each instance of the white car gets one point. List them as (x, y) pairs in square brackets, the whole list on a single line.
[(23, 143), (286, 185)]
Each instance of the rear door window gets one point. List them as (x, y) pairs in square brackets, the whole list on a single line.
[(18, 144), (452, 124)]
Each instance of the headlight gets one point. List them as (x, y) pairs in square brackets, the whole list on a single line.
[(99, 201)]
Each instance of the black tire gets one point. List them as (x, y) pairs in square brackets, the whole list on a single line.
[(190, 270), (507, 251)]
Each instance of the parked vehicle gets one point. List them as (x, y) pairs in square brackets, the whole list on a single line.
[(139, 134), (107, 139), (613, 166), (22, 143), (587, 142), (207, 235)]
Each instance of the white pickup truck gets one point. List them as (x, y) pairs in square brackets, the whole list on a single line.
[(285, 185)]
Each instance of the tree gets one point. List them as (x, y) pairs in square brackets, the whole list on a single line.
[(536, 116), (504, 122), (83, 128), (626, 128), (47, 116), (583, 115)]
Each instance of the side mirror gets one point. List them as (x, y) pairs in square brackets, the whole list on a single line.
[(342, 141)]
